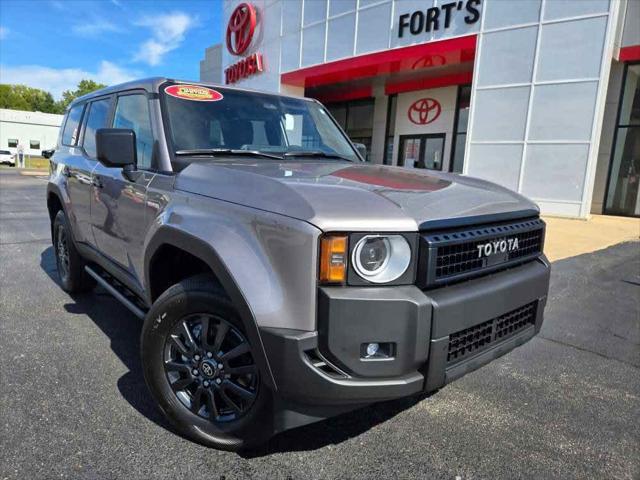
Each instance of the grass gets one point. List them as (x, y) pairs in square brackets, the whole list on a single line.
[(40, 163), (34, 162)]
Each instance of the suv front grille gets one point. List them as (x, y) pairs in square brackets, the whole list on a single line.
[(453, 255), (472, 340)]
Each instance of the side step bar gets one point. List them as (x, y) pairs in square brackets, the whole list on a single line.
[(120, 295)]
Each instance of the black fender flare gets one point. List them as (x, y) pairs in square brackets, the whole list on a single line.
[(166, 235), (54, 189)]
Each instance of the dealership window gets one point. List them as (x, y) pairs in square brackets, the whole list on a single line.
[(623, 192), (356, 119), (34, 144), (12, 142), (460, 128)]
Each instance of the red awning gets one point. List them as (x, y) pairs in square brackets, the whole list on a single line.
[(411, 59), (630, 53)]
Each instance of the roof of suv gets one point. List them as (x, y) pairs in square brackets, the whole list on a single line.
[(152, 84)]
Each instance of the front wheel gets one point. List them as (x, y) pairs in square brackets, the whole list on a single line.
[(200, 368)]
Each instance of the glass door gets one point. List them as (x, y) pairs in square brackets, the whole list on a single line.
[(623, 188), (421, 151)]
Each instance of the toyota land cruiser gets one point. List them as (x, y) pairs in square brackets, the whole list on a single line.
[(281, 278)]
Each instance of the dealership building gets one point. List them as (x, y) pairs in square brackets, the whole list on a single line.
[(541, 96), (30, 132)]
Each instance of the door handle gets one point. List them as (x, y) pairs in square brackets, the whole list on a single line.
[(96, 182)]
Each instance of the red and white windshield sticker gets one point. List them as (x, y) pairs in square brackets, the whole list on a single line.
[(193, 92)]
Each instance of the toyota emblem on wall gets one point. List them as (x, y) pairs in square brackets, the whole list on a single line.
[(242, 25), (424, 111)]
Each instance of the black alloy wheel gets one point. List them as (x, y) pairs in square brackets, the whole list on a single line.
[(202, 369), (62, 252), (70, 264), (210, 368)]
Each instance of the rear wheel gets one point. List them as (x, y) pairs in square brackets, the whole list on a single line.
[(200, 367), (73, 277)]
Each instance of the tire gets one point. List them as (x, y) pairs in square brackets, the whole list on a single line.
[(195, 404), (73, 277)]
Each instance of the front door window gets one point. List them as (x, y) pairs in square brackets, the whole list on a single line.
[(421, 151), (623, 192)]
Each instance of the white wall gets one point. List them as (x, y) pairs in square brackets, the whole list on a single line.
[(211, 66), (26, 126), (540, 82)]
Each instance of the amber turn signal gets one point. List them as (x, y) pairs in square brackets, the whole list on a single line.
[(333, 259)]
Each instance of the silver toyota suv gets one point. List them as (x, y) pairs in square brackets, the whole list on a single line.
[(282, 279)]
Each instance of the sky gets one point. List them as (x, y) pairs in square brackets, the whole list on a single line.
[(53, 44)]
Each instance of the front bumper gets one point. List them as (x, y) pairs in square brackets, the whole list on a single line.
[(326, 368)]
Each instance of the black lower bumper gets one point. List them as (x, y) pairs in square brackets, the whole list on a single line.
[(437, 336)]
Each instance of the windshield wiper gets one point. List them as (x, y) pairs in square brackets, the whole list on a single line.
[(318, 154), (226, 151)]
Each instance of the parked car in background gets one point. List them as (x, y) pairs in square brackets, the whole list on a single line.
[(7, 158)]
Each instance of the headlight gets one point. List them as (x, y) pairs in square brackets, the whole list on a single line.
[(381, 258)]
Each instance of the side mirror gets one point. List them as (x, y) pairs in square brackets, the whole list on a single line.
[(48, 153), (116, 147), (362, 150)]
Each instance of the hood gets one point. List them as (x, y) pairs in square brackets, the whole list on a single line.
[(335, 196)]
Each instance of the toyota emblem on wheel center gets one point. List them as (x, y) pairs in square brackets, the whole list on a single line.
[(240, 29), (208, 369), (424, 111)]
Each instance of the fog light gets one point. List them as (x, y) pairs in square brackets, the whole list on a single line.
[(377, 351), (372, 349)]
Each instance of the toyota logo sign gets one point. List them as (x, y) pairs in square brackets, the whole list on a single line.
[(240, 31), (242, 25), (424, 111)]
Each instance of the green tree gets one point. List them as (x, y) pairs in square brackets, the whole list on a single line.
[(83, 87), (21, 97)]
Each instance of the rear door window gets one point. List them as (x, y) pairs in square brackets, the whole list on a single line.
[(72, 126)]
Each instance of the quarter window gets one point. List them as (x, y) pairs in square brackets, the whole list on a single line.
[(97, 118), (71, 127), (132, 112)]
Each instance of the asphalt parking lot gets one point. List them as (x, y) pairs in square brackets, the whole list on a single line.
[(73, 403)]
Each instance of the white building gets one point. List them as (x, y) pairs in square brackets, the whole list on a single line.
[(36, 131), (542, 96)]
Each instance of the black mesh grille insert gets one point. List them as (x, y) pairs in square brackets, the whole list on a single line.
[(474, 339), (457, 254), (530, 243)]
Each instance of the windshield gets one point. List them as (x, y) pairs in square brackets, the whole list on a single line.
[(229, 119)]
